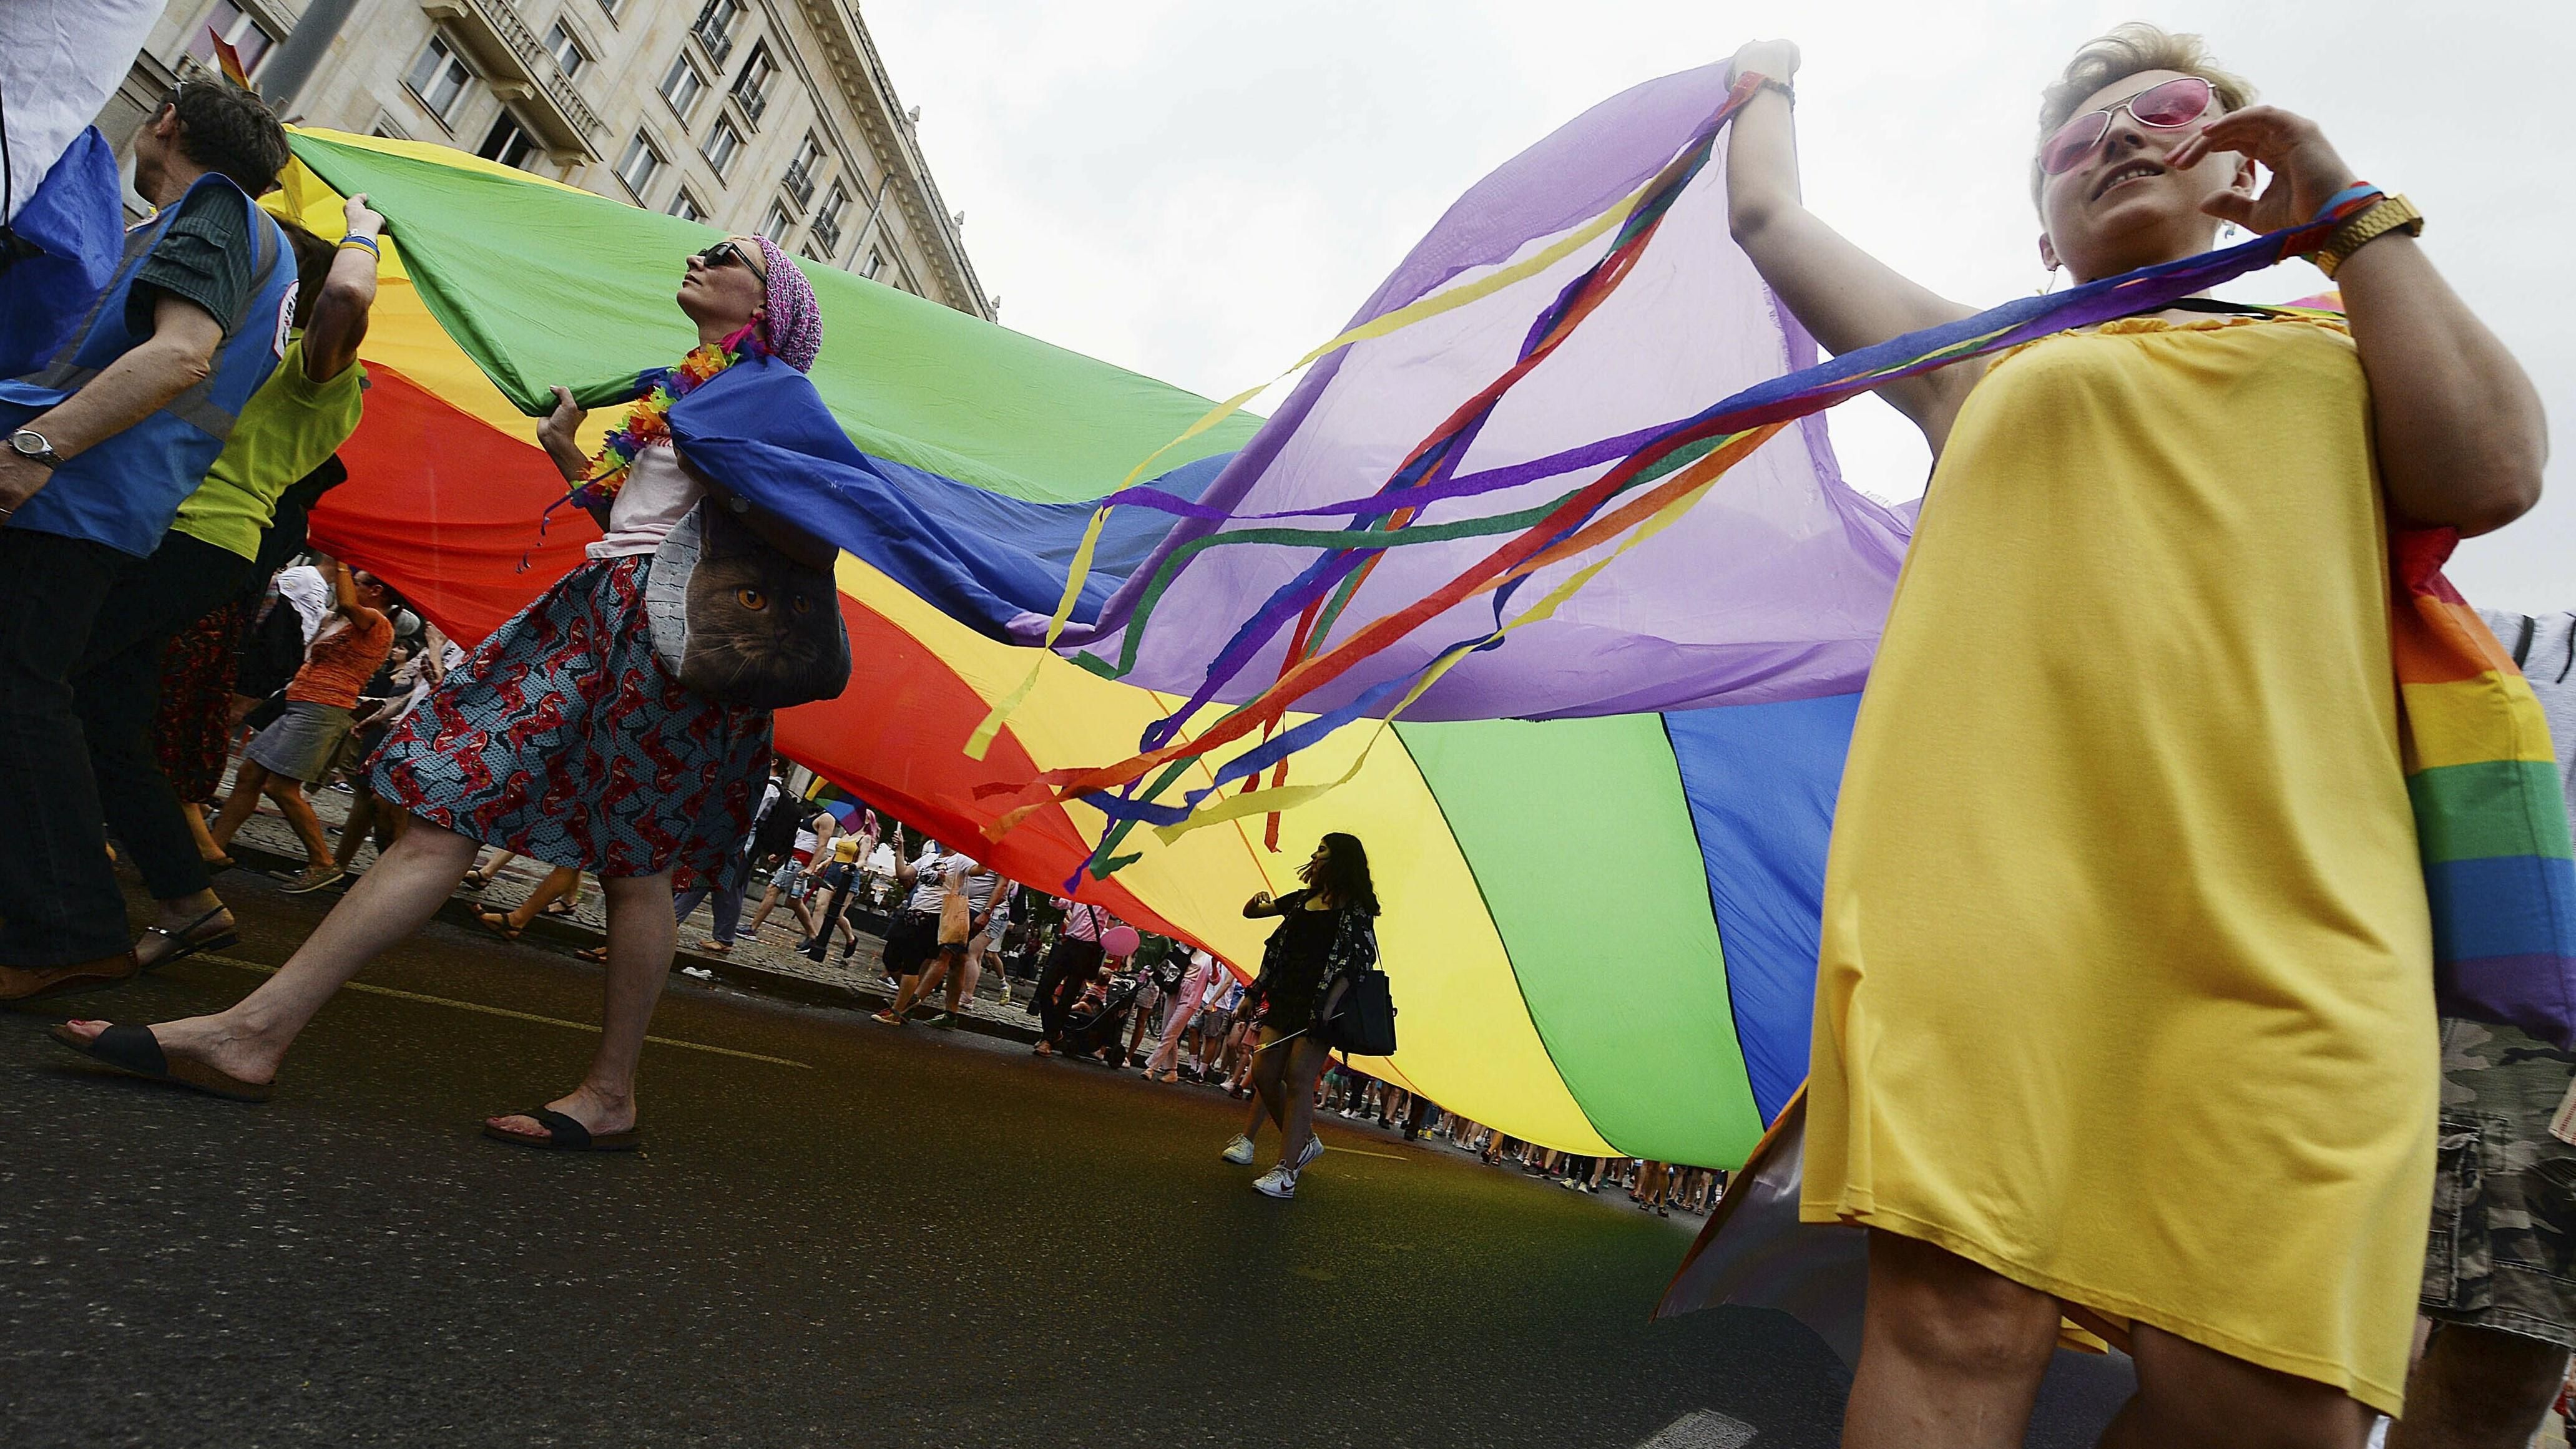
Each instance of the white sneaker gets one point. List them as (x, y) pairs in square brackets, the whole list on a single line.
[(1239, 1151), (1277, 1182), (1314, 1149)]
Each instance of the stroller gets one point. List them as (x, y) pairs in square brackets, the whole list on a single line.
[(1098, 1028)]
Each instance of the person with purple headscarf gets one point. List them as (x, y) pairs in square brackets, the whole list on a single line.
[(563, 738)]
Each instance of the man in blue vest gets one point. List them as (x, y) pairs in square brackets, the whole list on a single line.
[(102, 443)]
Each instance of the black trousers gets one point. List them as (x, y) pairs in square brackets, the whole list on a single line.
[(58, 900), (116, 687), (1069, 968)]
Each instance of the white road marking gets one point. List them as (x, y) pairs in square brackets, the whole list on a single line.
[(475, 1006), (1702, 1429)]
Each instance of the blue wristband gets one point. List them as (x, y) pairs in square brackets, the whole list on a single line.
[(2354, 192)]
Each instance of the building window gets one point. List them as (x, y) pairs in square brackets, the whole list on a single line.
[(608, 8), (248, 38), (876, 264), (641, 163), (507, 142), (801, 171), (751, 87), (686, 208), (567, 51), (682, 86), (439, 78), (827, 222), (714, 27), (723, 144), (778, 223)]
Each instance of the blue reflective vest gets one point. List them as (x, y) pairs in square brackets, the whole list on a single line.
[(125, 491)]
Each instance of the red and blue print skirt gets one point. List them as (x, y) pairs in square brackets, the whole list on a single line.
[(564, 739)]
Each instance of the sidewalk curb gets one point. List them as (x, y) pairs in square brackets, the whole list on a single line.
[(568, 935)]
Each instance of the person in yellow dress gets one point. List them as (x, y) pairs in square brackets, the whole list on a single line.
[(2124, 1005)]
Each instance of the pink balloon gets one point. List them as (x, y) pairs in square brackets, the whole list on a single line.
[(1120, 941)]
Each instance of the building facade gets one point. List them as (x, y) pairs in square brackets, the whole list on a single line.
[(767, 116)]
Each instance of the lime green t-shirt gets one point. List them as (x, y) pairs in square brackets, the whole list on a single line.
[(287, 429)]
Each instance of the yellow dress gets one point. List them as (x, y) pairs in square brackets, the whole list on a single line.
[(2125, 990)]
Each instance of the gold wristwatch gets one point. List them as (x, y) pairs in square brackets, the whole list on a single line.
[(2393, 213)]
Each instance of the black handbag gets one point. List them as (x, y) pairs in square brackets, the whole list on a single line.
[(1361, 1022)]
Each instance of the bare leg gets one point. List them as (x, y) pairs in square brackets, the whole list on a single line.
[(2188, 1394), (961, 982), (1951, 1354), (397, 898), (642, 935), (289, 795), (248, 782), (354, 830), (1306, 1061), (560, 881), (768, 900), (2475, 1388), (195, 815), (1268, 1067)]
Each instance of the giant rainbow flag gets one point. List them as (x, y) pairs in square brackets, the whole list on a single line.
[(1601, 931)]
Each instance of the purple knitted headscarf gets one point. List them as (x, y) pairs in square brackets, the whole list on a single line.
[(792, 325)]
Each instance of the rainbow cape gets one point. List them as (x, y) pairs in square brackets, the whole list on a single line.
[(2498, 868)]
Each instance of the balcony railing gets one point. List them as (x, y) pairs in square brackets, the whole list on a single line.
[(800, 183), (521, 70), (753, 100), (826, 236), (712, 34)]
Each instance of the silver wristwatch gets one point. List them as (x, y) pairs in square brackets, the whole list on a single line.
[(29, 444)]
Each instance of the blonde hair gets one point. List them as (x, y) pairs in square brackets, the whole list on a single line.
[(2129, 50)]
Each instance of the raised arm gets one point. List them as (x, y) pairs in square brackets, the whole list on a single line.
[(339, 320), (2455, 420), (1846, 297), (344, 591), (1259, 906)]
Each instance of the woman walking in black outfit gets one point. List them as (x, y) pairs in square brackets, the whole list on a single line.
[(1326, 936)]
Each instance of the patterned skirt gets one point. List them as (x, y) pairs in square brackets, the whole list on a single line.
[(564, 739), (189, 731)]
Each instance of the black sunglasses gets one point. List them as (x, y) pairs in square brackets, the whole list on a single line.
[(726, 254)]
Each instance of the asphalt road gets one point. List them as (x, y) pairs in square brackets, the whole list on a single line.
[(838, 1233)]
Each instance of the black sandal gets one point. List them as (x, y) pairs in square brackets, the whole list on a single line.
[(185, 943), (563, 1134), (497, 922), (135, 1050)]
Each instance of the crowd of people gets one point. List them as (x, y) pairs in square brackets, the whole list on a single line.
[(2103, 619)]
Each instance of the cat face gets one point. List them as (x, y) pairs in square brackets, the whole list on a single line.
[(762, 628)]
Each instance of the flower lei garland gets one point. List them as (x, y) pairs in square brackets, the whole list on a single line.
[(649, 421)]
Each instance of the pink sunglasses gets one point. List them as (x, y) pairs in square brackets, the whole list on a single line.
[(2166, 107)]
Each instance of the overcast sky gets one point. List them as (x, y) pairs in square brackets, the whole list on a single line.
[(1203, 191)]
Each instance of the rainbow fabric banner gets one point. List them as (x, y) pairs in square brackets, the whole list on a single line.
[(2498, 867), (1601, 931)]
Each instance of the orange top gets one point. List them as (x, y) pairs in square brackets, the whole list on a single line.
[(345, 655)]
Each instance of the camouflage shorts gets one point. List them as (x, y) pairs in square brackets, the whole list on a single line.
[(2503, 1248)]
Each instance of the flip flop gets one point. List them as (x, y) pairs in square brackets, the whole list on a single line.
[(184, 942), (136, 1051), (561, 908), (475, 880), (564, 1134), (598, 955), (497, 922)]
